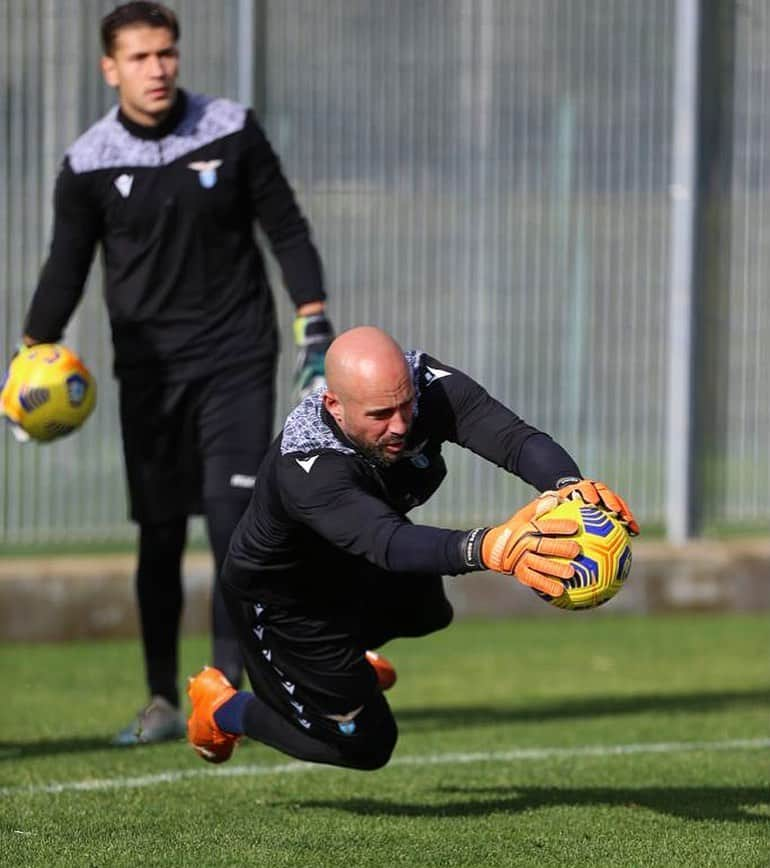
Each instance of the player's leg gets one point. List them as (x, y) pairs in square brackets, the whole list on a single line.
[(315, 696), (222, 515), (401, 605), (235, 421), (221, 716), (160, 599), (155, 424)]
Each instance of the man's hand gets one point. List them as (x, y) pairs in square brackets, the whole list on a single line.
[(525, 546), (312, 334), (8, 405), (597, 494)]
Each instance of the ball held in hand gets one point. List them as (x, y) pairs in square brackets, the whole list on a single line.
[(48, 391), (604, 563)]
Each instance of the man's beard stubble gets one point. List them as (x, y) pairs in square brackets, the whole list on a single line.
[(376, 452)]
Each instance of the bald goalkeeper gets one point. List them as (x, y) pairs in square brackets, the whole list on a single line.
[(325, 566)]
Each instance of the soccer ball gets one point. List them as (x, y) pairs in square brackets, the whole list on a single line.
[(48, 391), (604, 562)]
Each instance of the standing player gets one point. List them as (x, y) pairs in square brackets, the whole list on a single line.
[(325, 565), (170, 184)]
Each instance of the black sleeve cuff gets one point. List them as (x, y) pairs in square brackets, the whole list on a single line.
[(567, 480), (471, 548)]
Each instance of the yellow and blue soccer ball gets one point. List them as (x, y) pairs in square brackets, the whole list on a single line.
[(604, 562), (48, 391)]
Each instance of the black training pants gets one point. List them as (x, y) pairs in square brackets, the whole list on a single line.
[(190, 448), (303, 643)]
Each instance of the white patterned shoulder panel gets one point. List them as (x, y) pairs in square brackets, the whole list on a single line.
[(108, 144)]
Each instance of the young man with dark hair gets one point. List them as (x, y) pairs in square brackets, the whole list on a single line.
[(170, 183), (326, 566)]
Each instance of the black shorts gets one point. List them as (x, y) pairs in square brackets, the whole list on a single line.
[(304, 637), (184, 443)]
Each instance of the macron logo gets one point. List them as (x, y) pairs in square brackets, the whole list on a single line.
[(307, 463), (434, 374), (124, 184)]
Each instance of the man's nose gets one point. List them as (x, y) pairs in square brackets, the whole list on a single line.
[(157, 67), (399, 423)]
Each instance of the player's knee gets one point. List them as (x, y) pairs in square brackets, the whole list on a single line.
[(443, 615), (433, 611), (376, 750), (375, 761), (436, 617)]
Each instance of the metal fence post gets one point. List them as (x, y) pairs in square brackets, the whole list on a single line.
[(699, 260), (679, 460)]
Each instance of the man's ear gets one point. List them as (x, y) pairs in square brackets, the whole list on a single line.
[(110, 70), (333, 406)]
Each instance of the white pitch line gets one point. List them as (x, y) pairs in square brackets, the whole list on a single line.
[(533, 753)]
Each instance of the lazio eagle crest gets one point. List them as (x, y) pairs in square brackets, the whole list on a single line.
[(207, 171)]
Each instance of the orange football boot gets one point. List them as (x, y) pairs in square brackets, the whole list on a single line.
[(208, 691), (386, 673)]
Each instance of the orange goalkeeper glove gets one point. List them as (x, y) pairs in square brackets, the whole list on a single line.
[(597, 494), (525, 545)]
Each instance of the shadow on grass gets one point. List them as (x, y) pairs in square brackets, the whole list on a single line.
[(11, 751), (735, 804), (451, 717)]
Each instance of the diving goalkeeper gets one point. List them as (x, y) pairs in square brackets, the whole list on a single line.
[(325, 566)]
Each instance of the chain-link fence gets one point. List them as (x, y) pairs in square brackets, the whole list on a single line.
[(488, 180)]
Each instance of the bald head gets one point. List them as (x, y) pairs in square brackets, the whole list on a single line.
[(369, 390), (363, 357)]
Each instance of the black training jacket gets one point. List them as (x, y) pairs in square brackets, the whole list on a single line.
[(174, 209), (317, 498)]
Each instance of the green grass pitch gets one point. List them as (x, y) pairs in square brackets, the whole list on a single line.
[(579, 739)]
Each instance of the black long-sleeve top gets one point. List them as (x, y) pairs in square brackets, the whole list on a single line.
[(317, 498), (174, 207)]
